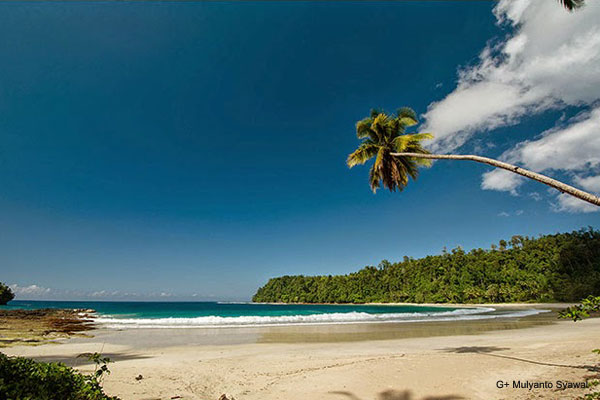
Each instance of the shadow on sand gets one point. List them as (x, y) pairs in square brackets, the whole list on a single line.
[(82, 359), (488, 350), (397, 395)]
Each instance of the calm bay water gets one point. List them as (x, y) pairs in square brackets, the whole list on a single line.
[(213, 314), (139, 309)]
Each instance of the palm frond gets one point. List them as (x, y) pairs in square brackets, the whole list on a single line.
[(406, 112), (421, 136), (400, 143), (379, 159), (403, 142), (406, 117), (374, 179), (409, 167), (393, 129), (380, 121), (364, 153), (378, 171), (379, 128), (416, 147), (421, 162), (407, 121), (572, 5), (375, 112), (363, 128)]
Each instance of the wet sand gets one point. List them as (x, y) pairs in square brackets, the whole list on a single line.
[(326, 333)]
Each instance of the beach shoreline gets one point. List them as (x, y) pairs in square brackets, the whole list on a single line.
[(184, 315), (342, 362)]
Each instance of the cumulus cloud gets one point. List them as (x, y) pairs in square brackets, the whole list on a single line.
[(549, 60), (573, 205), (37, 292), (552, 59), (31, 290), (574, 148), (591, 183), (500, 179)]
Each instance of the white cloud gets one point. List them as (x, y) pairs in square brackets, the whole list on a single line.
[(550, 60), (508, 214), (511, 11), (484, 106), (535, 195), (575, 147), (502, 180), (31, 290), (573, 205), (591, 183), (37, 292)]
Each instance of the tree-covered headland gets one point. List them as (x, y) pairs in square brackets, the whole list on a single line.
[(560, 267), (6, 294)]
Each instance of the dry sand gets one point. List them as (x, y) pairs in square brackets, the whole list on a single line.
[(367, 362)]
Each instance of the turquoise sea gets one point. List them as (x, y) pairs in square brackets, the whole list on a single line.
[(129, 314)]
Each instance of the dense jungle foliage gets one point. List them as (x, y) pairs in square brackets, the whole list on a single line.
[(560, 267)]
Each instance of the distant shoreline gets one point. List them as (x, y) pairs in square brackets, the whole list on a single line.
[(466, 305), (441, 305)]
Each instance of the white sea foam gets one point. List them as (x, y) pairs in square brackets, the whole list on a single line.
[(311, 319)]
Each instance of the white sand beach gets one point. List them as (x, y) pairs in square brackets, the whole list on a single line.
[(440, 361)]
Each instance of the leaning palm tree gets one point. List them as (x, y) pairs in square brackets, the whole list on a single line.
[(382, 136), (398, 155)]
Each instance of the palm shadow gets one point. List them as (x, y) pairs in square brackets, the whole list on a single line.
[(488, 350), (474, 349), (397, 395)]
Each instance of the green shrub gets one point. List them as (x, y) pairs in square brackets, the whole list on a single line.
[(580, 312), (6, 294), (26, 379), (583, 310)]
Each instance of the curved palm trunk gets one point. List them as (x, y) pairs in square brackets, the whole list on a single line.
[(564, 188)]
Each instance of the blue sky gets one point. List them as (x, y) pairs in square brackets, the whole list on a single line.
[(193, 150)]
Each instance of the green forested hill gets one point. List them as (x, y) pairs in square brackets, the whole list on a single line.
[(561, 267)]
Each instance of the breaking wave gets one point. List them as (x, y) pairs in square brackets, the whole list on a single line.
[(310, 319)]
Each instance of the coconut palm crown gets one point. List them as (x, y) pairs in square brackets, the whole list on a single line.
[(572, 5), (383, 134)]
